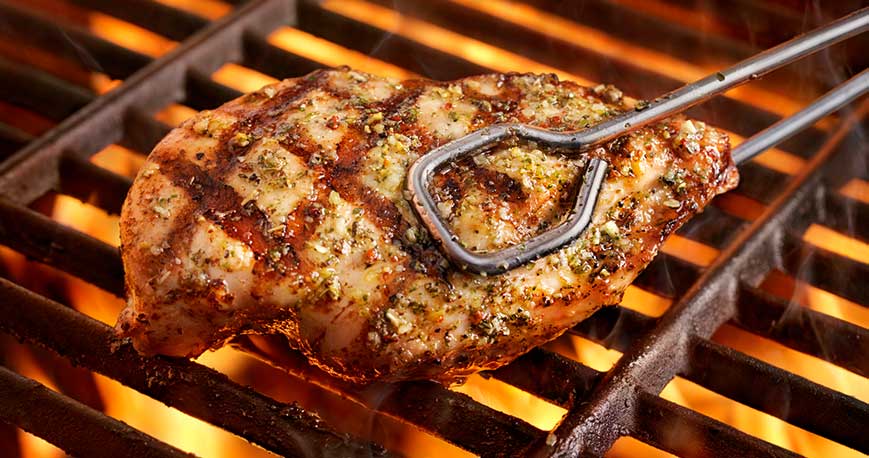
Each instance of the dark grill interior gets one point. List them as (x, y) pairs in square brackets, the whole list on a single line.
[(54, 120)]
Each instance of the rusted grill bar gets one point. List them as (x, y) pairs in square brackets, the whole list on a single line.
[(602, 406), (771, 390), (803, 329), (684, 432), (202, 392), (75, 427)]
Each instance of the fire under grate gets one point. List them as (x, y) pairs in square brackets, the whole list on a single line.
[(601, 406)]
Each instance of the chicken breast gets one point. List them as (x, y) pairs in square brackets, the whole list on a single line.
[(284, 212)]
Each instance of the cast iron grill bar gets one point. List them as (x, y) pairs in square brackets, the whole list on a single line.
[(825, 269), (141, 131), (165, 20), (93, 184), (24, 176), (452, 416), (41, 92), (772, 390), (73, 426), (699, 312), (803, 329), (285, 429), (684, 432), (12, 139), (549, 376), (85, 49), (368, 39), (841, 213), (43, 239)]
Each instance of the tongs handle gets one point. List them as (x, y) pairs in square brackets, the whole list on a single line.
[(712, 85), (830, 102)]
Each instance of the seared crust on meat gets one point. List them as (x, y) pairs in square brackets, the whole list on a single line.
[(283, 212)]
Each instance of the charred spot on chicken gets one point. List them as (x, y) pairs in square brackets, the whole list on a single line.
[(283, 212)]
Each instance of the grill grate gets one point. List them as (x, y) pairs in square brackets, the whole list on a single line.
[(601, 406)]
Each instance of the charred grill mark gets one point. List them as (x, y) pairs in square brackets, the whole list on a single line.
[(446, 187), (495, 182), (259, 121), (382, 212), (343, 176), (265, 115), (219, 203), (301, 225)]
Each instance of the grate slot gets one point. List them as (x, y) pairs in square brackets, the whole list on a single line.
[(803, 329), (452, 416), (41, 92), (825, 269), (378, 43), (549, 376), (264, 57), (89, 52), (142, 132), (165, 20), (203, 93), (12, 139), (93, 184), (668, 276), (85, 432), (713, 227), (686, 433), (842, 214), (285, 429), (760, 183), (615, 327), (772, 390), (43, 239)]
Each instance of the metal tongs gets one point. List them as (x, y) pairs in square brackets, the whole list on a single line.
[(422, 171)]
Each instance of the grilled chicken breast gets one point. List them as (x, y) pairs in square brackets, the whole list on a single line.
[(283, 212)]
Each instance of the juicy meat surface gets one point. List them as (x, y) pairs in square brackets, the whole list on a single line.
[(283, 212)]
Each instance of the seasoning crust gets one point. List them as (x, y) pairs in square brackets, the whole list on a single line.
[(283, 212)]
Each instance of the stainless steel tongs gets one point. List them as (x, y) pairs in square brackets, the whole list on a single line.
[(422, 171)]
